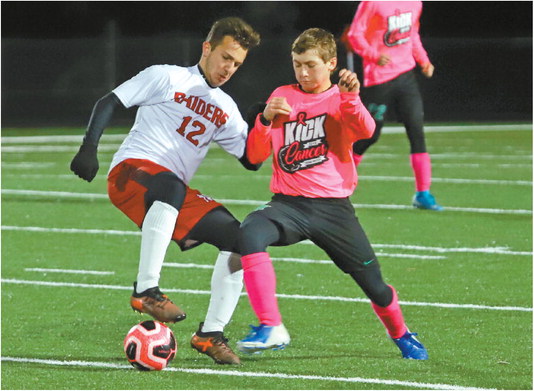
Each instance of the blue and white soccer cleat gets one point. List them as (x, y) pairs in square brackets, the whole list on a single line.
[(410, 347), (264, 337), (425, 200)]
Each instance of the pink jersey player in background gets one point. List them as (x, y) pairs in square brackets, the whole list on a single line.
[(385, 34), (309, 128)]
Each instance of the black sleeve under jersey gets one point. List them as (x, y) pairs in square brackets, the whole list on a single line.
[(100, 118), (252, 112)]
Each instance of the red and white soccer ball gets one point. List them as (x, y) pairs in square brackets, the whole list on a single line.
[(150, 346)]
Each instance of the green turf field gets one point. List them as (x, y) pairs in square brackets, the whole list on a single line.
[(464, 276)]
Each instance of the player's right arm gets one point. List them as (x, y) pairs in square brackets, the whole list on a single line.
[(259, 145), (357, 31), (147, 87), (85, 162)]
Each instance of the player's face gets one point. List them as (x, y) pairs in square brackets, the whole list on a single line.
[(221, 63), (312, 73)]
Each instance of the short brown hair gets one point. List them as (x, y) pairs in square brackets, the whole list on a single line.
[(236, 28), (316, 38)]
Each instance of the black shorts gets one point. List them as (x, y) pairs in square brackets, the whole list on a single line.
[(401, 98), (330, 223)]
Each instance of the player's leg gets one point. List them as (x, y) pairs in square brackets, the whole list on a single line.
[(219, 228), (260, 229), (151, 196), (341, 236), (376, 101), (411, 113)]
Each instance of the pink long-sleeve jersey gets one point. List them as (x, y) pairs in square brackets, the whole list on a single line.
[(391, 28), (313, 145)]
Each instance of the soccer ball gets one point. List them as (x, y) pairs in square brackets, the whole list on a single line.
[(150, 346)]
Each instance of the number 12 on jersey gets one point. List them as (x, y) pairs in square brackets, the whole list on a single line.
[(196, 129)]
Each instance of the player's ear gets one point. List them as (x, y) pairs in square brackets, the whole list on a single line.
[(332, 64), (206, 48)]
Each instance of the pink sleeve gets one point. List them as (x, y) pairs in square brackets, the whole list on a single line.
[(355, 116), (356, 34), (419, 53), (259, 144)]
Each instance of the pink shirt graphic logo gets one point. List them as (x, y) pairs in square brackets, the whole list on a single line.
[(305, 143), (399, 27)]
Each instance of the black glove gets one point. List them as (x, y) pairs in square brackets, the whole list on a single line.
[(85, 163)]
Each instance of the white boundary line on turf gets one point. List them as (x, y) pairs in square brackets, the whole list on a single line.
[(68, 271), (64, 194), (483, 250), (218, 372), (280, 295), (361, 178), (372, 156), (387, 130), (306, 261)]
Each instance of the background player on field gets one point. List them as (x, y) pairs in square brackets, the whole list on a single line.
[(310, 128), (181, 111), (386, 35)]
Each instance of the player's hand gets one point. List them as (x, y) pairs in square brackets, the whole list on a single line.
[(384, 59), (85, 163), (428, 70), (348, 81), (276, 106)]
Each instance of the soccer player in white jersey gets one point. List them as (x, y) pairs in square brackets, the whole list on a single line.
[(180, 112)]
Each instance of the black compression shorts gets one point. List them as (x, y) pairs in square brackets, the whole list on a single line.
[(330, 223)]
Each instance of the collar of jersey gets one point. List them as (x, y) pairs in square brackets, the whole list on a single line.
[(204, 76)]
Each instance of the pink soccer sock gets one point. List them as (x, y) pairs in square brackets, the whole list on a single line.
[(357, 159), (391, 316), (422, 170), (260, 282)]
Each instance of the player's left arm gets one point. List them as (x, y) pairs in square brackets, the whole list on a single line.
[(252, 113), (419, 53), (233, 136), (354, 115)]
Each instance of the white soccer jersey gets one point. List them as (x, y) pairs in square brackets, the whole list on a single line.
[(179, 115)]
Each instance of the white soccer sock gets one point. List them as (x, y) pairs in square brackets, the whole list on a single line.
[(156, 234), (226, 286)]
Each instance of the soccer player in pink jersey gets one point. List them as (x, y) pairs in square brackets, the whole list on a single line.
[(181, 110), (309, 128), (386, 35)]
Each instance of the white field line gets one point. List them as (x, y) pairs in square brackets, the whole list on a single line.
[(64, 194), (305, 261), (27, 166), (279, 295), (387, 130), (72, 230), (446, 180), (361, 178), (380, 254), (371, 156), (187, 265), (484, 250), (54, 148), (68, 271), (268, 375), (478, 165), (57, 139), (457, 156), (105, 163)]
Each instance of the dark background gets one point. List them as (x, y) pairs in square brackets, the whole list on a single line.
[(58, 58)]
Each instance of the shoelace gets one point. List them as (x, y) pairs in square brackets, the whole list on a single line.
[(221, 340), (254, 331), (157, 295)]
